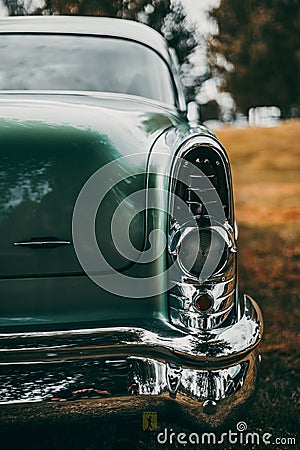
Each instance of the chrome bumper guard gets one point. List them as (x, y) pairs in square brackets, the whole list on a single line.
[(207, 375)]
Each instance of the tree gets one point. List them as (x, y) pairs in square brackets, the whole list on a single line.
[(256, 52), (210, 111), (165, 16), (14, 7)]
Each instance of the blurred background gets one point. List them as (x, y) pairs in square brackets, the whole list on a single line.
[(240, 61)]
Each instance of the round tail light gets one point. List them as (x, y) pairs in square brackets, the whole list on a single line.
[(203, 302)]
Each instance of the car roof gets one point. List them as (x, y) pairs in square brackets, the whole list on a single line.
[(98, 26)]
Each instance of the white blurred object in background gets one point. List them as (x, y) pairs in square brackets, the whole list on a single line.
[(264, 116)]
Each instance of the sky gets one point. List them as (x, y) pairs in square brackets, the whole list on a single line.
[(196, 11)]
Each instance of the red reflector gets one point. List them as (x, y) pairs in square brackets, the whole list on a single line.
[(203, 302)]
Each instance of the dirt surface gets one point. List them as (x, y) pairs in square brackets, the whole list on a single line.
[(266, 185)]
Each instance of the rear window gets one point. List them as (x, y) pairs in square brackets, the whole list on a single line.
[(84, 63)]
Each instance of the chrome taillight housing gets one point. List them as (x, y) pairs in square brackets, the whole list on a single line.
[(201, 238)]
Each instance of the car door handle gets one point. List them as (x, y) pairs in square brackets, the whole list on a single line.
[(47, 242)]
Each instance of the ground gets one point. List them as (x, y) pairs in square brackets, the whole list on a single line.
[(265, 165), (266, 185)]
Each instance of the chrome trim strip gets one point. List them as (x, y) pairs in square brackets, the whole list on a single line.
[(156, 339), (42, 243), (193, 321)]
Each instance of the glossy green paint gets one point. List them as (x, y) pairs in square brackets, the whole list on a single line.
[(49, 147)]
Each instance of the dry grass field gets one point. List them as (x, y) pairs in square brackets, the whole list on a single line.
[(265, 165), (266, 185)]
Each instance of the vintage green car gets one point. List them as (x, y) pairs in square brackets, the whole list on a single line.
[(118, 239)]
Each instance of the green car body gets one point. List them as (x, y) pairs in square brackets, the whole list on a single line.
[(80, 172), (45, 163)]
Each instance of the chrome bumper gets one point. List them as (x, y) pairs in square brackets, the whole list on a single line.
[(206, 375)]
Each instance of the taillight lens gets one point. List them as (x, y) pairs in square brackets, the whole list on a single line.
[(202, 239), (201, 180), (201, 252)]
